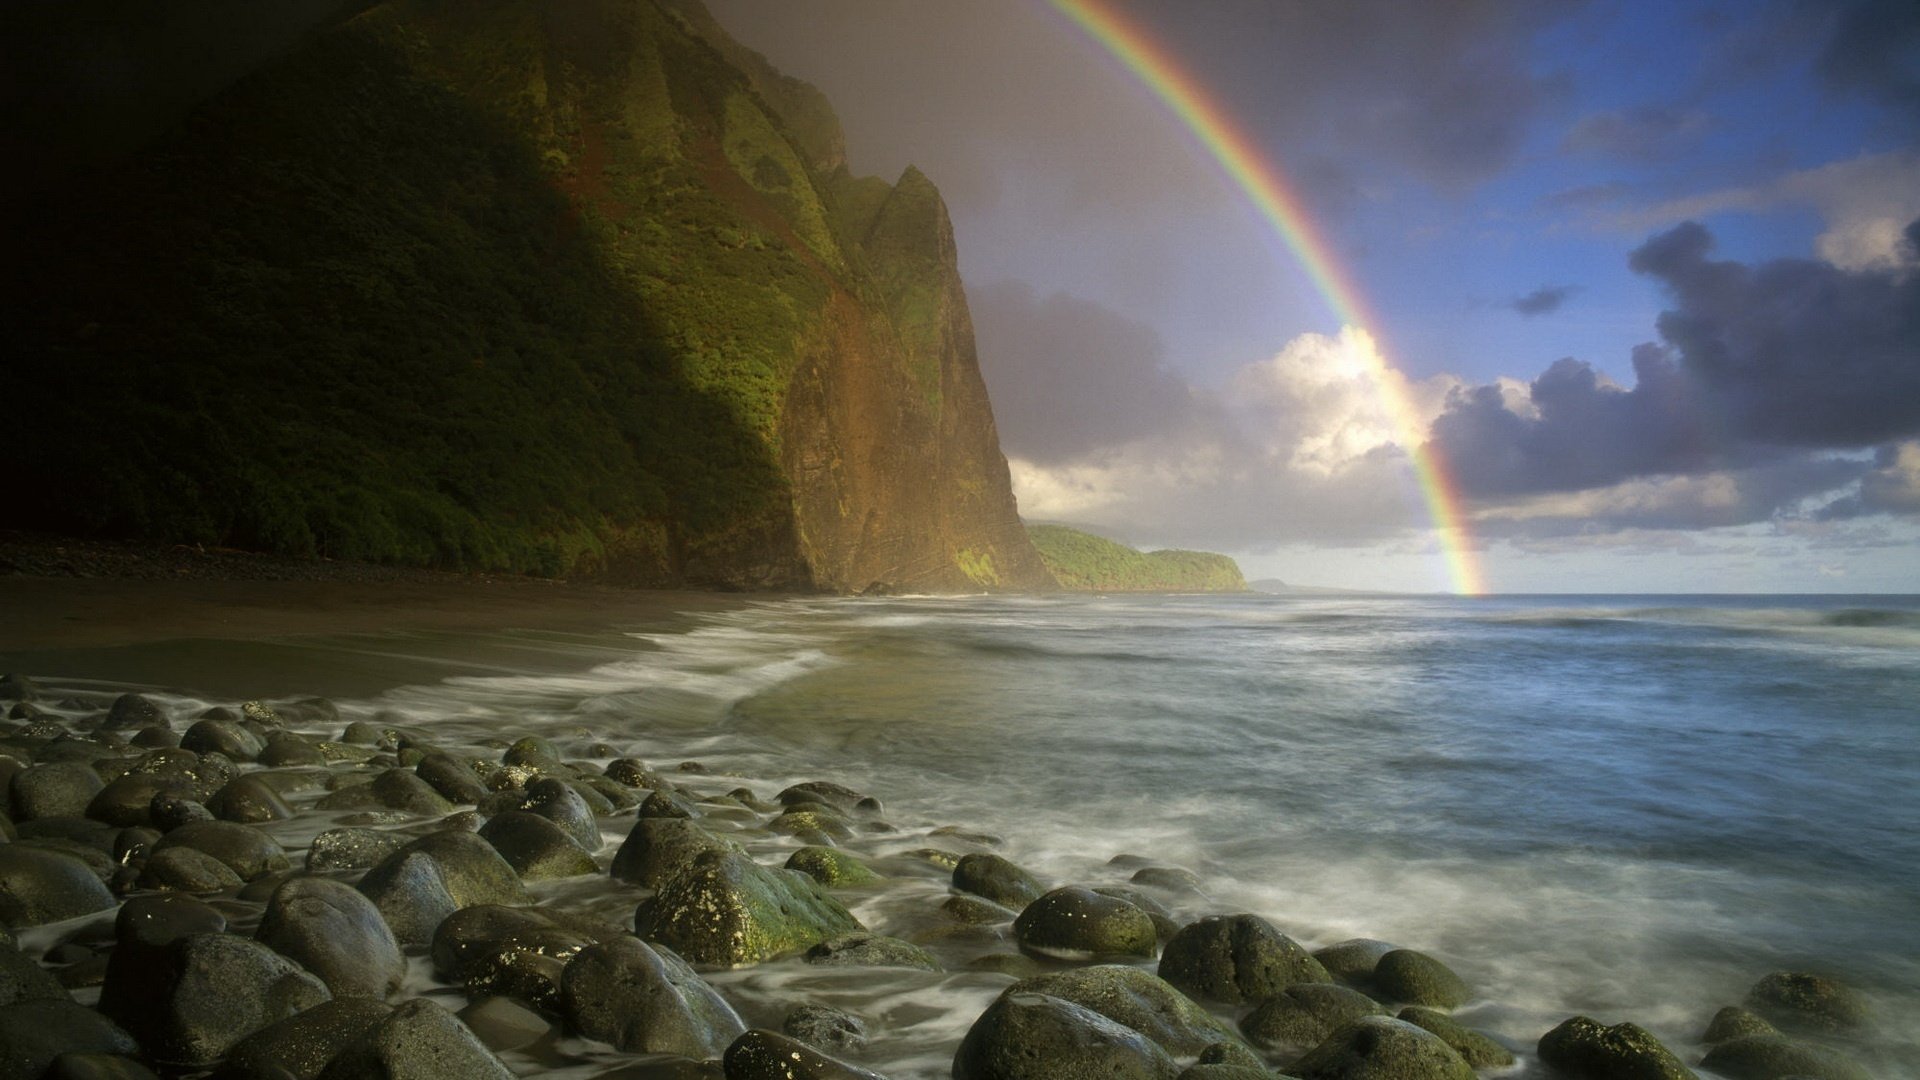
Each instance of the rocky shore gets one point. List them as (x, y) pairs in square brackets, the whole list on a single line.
[(268, 889)]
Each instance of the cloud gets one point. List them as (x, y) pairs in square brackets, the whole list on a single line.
[(1544, 300), (1639, 135), (1893, 487), (1874, 49), (1068, 376)]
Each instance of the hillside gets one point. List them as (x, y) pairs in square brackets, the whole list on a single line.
[(1083, 562), (574, 289)]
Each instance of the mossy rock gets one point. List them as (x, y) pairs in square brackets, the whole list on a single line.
[(1777, 1057), (1414, 978), (1300, 1017), (1381, 1048), (1076, 923), (1236, 958), (831, 867), (871, 950), (725, 910), (1733, 1022), (1138, 999), (1797, 1001), (1032, 1036), (1479, 1050), (1585, 1049), (997, 879)]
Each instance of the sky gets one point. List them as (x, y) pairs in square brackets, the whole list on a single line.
[(1647, 275)]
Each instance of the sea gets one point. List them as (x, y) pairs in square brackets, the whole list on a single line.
[(1627, 807)]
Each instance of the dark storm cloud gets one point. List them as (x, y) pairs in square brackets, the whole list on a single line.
[(1759, 361), (1639, 135), (1544, 300), (1068, 376), (1893, 487), (1874, 50)]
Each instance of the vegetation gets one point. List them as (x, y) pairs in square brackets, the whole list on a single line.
[(1086, 563), (485, 286)]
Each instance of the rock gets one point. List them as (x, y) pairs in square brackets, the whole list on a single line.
[(658, 848), (420, 1040), (59, 789), (363, 733), (183, 869), (1585, 1049), (1381, 1048), (333, 931), (144, 932), (825, 1028), (645, 1001), (1072, 922), (96, 1066), (1025, 1036), (1167, 879), (1777, 1057), (1796, 1001), (533, 752), (725, 910), (1163, 925), (871, 950), (831, 867), (504, 1024), (247, 800), (35, 1033), (351, 849), (40, 886), (764, 1055), (286, 749), (17, 687), (529, 966), (403, 790), (453, 778), (1733, 1022), (208, 992), (470, 935), (603, 795), (998, 880), (1230, 1053), (666, 804), (249, 852), (1225, 1072), (1414, 978), (1235, 959), (171, 809), (975, 911), (633, 773), (133, 711), (838, 796), (1352, 961), (23, 980), (428, 879), (535, 847), (128, 800), (559, 803), (1138, 1000), (224, 737), (1477, 1049), (1301, 1016), (302, 1045)]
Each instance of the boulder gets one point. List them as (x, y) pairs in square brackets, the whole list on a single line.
[(58, 789), (1414, 978), (333, 931), (1733, 1022), (1137, 1000), (1585, 1049), (17, 687), (645, 1001), (558, 802), (1235, 959), (1777, 1057), (1198, 1071), (286, 749), (420, 1040), (453, 778), (1479, 1050), (128, 800), (1351, 962), (208, 991), (504, 1024), (666, 804), (535, 847), (247, 851), (224, 737), (1797, 1001), (725, 910), (1300, 1017), (871, 950), (988, 875), (831, 867), (183, 869), (1028, 1036), (352, 849), (301, 1046), (23, 980), (171, 809), (467, 937), (658, 848), (825, 1028), (434, 876), (1381, 1048), (1073, 922), (765, 1055), (33, 1034), (133, 711), (81, 1065), (41, 886), (633, 773), (838, 796), (248, 800), (975, 911), (403, 790)]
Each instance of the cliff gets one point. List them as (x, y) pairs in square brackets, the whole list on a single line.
[(1082, 562), (577, 287)]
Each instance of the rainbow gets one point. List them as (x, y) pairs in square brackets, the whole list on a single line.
[(1273, 197)]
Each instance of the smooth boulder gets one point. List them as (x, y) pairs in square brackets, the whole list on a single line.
[(436, 875), (1029, 1036), (658, 848), (767, 1055), (1381, 1048), (303, 1045), (246, 851), (1586, 1049), (645, 1001), (420, 1040), (1236, 958), (1303, 1015), (1138, 1000), (536, 848), (1074, 922), (997, 879), (725, 910), (1798, 1001), (1777, 1057), (33, 1034), (212, 990), (38, 886), (333, 931), (1410, 977)]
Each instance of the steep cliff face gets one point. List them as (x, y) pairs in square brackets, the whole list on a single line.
[(574, 286)]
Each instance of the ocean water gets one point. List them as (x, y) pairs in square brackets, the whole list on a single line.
[(1627, 807)]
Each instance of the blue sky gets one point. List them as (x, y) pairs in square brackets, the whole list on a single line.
[(1511, 185)]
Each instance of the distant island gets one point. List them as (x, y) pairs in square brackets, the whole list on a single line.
[(1082, 562)]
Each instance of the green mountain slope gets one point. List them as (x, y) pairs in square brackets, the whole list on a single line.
[(1083, 562), (574, 288)]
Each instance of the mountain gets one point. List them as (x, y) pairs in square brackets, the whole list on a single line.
[(575, 287), (1083, 562)]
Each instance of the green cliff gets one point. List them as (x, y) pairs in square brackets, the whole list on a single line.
[(1082, 562), (578, 287)]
